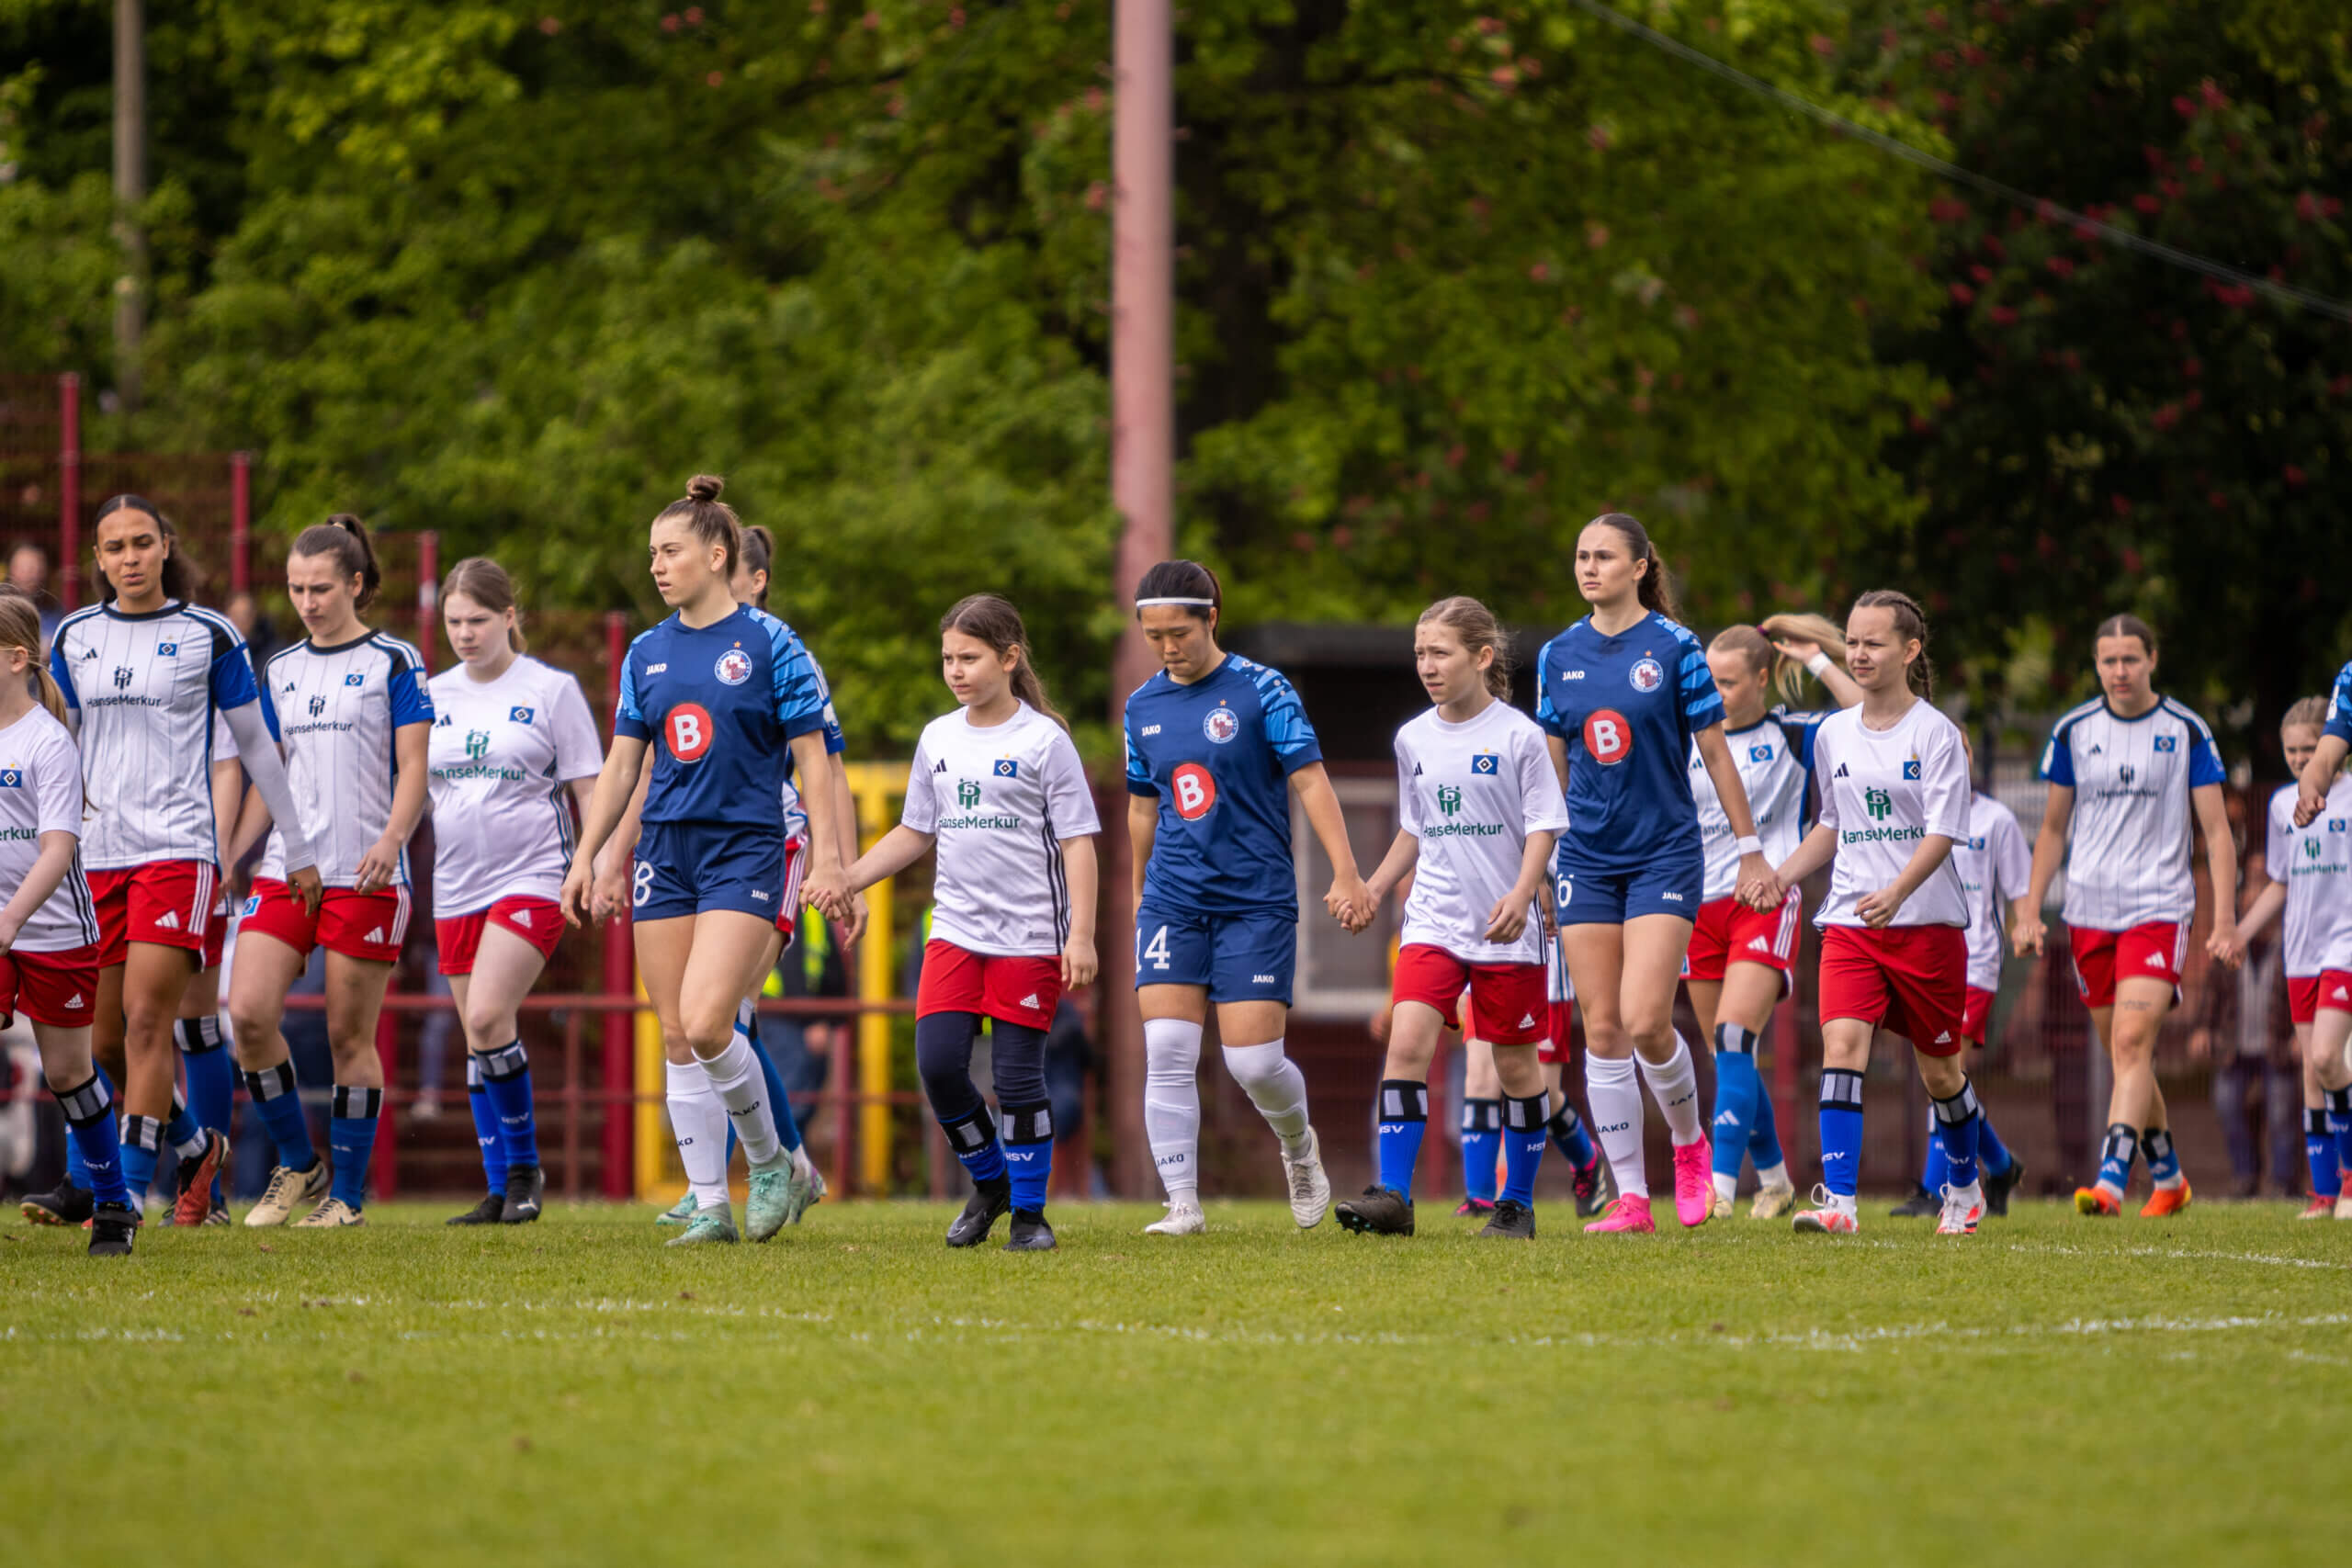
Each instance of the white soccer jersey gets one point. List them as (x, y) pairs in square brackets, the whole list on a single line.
[(40, 792), (2128, 864), (501, 753), (2315, 863), (338, 708), (1000, 800), (1471, 793), (1773, 757), (1881, 791), (1995, 867), (147, 687)]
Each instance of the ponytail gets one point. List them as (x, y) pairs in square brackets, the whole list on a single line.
[(20, 628), (1656, 592), (994, 621), (1910, 623), (344, 538), (1759, 643)]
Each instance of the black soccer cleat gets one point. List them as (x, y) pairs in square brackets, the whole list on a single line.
[(64, 1204), (1031, 1233), (1513, 1221), (1999, 1188), (527, 1187), (112, 1226), (485, 1212), (1596, 1188), (1921, 1205), (989, 1200), (1380, 1211)]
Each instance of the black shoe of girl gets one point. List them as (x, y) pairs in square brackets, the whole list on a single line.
[(1921, 1205), (1596, 1188), (1999, 1188), (1380, 1211), (526, 1187), (1513, 1221), (112, 1226), (1030, 1232), (990, 1199), (485, 1212), (63, 1205)]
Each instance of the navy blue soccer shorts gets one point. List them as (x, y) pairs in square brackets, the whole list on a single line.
[(1239, 958), (1668, 885), (685, 868)]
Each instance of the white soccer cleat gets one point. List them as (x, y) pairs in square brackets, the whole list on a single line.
[(1718, 1207), (289, 1191), (1832, 1215), (1310, 1190), (1771, 1202), (1183, 1218), (1963, 1208), (2344, 1206), (333, 1214)]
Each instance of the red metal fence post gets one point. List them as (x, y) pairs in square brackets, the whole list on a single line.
[(241, 521), (69, 488), (621, 979), (428, 591)]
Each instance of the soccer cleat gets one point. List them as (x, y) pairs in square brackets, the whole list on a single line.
[(1921, 1204), (1310, 1190), (1628, 1215), (219, 1215), (333, 1214), (487, 1213), (678, 1213), (2343, 1207), (988, 1200), (804, 1185), (63, 1205), (195, 1199), (1183, 1218), (1963, 1207), (1718, 1207), (1469, 1208), (2098, 1202), (1380, 1211), (1828, 1216), (1596, 1188), (527, 1191), (112, 1226), (289, 1191), (1513, 1221), (1694, 1183), (1771, 1202), (1998, 1187), (2320, 1207), (768, 1203), (715, 1223), (1030, 1233), (2166, 1202)]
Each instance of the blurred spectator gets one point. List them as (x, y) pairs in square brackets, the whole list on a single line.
[(29, 571), (244, 614)]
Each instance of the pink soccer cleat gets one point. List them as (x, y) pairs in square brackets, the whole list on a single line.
[(1694, 1183), (1629, 1215)]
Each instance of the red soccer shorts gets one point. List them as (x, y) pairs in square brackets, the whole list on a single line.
[(788, 908), (168, 902), (1975, 1015), (59, 990), (2331, 989), (1018, 990), (536, 920), (1507, 1000), (1727, 932), (371, 926), (2152, 952), (1555, 1048), (1912, 980)]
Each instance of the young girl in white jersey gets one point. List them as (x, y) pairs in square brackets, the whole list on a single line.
[(1895, 792), (1742, 960), (48, 932), (143, 674), (2125, 772), (1479, 809), (2308, 873), (998, 787), (356, 717), (511, 735)]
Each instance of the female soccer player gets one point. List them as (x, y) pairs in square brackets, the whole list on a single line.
[(2126, 769), (510, 736), (729, 692), (1742, 960), (2307, 872), (1479, 810), (1213, 739), (357, 717), (1894, 793), (48, 932), (998, 787), (143, 674), (1625, 694)]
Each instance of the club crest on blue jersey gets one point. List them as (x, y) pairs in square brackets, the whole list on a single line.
[(1646, 675), (1008, 768), (1911, 768), (1487, 762), (519, 715), (1221, 724), (2165, 742), (168, 650), (11, 778), (734, 667)]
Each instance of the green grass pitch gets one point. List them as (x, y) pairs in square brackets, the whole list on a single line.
[(2053, 1390)]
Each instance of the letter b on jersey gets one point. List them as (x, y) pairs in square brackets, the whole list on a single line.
[(687, 730), (1195, 790), (1608, 737)]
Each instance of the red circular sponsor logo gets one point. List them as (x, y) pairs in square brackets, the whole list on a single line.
[(1608, 737), (687, 728), (1196, 789)]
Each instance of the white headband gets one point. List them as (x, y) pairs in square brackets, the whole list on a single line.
[(1202, 603)]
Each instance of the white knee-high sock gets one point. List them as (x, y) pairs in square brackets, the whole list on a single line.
[(735, 1078), (1171, 1103), (1275, 1086), (1615, 1094), (1675, 1081), (698, 1121)]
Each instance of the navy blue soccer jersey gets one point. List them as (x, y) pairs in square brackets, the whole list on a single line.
[(1219, 755), (2339, 706), (1627, 706), (722, 704)]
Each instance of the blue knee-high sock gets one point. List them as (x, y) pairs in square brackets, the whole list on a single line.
[(2339, 1120), (1993, 1156), (2320, 1154), (506, 1079), (1842, 1131), (211, 1076), (1404, 1121), (92, 1133), (1939, 1169), (1523, 1139), (1028, 1143), (787, 1130), (1764, 1149), (2116, 1153), (1958, 1122), (142, 1148), (77, 1168), (973, 1138), (351, 1133), (1482, 1132), (280, 1109), (1736, 1090), (486, 1135), (2163, 1159), (182, 1129), (1568, 1136)]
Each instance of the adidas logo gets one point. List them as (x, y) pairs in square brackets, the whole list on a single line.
[(1528, 1023), (1758, 945), (1945, 1038), (523, 919), (1030, 1001), (1726, 1118), (168, 921), (2157, 961), (75, 999), (2336, 995), (377, 935), (1840, 773)]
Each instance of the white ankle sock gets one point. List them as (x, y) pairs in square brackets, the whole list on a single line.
[(1616, 1096), (1171, 1103), (1275, 1086), (1675, 1082), (1726, 1186), (698, 1121), (735, 1078)]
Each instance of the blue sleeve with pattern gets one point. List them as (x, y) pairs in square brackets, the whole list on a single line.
[(629, 718), (412, 701), (1140, 780), (1702, 705), (1288, 733), (232, 674), (2058, 760), (1545, 713), (801, 705), (2339, 706), (64, 673)]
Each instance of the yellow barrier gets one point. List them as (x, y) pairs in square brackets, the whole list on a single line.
[(875, 785)]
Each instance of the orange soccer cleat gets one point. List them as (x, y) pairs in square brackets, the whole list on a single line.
[(2099, 1202), (2165, 1200)]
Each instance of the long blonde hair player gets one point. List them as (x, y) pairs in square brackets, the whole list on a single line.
[(1742, 960)]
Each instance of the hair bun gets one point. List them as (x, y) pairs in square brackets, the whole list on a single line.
[(705, 487)]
